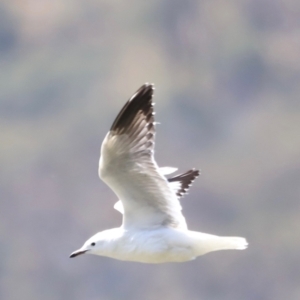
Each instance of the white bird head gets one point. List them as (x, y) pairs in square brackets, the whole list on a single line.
[(94, 245), (98, 244)]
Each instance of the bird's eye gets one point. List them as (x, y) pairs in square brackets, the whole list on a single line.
[(93, 244)]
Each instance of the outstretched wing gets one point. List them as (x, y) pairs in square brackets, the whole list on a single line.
[(128, 167)]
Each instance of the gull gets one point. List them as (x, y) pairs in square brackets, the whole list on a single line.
[(153, 229)]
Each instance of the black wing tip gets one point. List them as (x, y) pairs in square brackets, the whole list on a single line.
[(195, 172), (147, 89), (186, 179), (146, 85), (140, 101), (190, 174)]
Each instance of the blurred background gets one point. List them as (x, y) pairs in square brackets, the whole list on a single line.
[(227, 79)]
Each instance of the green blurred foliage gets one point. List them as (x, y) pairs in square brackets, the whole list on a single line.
[(227, 77)]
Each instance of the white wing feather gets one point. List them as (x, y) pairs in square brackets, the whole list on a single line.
[(163, 170), (180, 184)]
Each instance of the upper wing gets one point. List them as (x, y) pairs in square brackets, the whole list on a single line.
[(128, 167)]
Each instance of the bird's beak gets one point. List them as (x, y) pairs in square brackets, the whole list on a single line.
[(77, 252)]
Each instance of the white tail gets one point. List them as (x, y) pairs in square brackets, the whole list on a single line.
[(232, 242), (208, 243)]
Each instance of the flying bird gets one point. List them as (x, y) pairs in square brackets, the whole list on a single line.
[(153, 229)]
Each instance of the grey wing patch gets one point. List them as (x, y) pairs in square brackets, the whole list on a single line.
[(183, 182)]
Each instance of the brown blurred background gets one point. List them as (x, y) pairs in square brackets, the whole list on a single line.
[(227, 77)]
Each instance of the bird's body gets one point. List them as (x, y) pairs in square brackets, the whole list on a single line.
[(153, 229), (160, 245)]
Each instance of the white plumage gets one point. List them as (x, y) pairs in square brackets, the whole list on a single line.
[(153, 229)]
